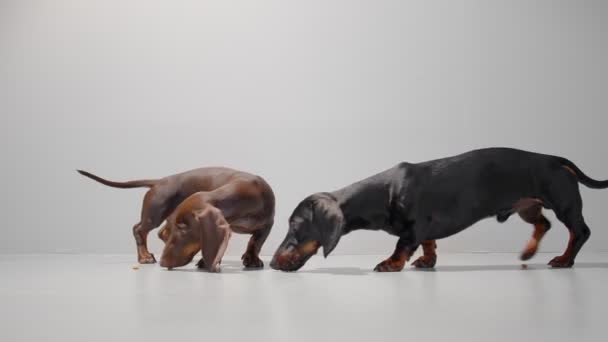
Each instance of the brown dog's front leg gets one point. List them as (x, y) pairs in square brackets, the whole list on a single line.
[(429, 258), (251, 258), (201, 264), (395, 263)]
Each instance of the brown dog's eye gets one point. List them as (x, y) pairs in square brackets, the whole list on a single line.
[(181, 225)]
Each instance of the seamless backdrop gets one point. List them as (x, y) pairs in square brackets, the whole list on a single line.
[(312, 95)]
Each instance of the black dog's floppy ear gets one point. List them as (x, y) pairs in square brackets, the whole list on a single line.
[(328, 219)]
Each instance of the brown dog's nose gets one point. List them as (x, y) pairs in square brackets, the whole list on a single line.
[(165, 263)]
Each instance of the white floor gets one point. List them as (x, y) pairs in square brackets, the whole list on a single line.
[(469, 297)]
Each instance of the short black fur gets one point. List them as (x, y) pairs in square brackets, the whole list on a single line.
[(439, 198)]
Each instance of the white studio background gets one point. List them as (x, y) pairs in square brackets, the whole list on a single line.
[(312, 95)]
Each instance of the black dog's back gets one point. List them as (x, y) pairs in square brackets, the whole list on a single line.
[(454, 193)]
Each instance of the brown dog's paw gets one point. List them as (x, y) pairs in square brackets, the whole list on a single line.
[(425, 261), (389, 265), (146, 259), (252, 261), (561, 262)]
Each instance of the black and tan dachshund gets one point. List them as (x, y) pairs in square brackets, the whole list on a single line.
[(424, 202)]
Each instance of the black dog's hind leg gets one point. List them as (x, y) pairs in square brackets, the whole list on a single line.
[(579, 233), (403, 252), (568, 207)]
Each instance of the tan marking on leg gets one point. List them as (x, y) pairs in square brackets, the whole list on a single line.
[(533, 243), (395, 262), (429, 258), (564, 260)]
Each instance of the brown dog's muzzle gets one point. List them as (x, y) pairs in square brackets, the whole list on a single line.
[(172, 261), (176, 257), (292, 258)]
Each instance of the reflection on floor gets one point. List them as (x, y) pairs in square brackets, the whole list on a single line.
[(468, 297)]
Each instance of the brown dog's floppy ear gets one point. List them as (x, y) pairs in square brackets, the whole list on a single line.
[(215, 233), (328, 219)]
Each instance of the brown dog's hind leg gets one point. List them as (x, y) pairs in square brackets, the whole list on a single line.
[(534, 216), (395, 263), (154, 211), (251, 257), (429, 258), (140, 232)]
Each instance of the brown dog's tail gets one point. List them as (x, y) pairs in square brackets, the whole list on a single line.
[(148, 183), (582, 177)]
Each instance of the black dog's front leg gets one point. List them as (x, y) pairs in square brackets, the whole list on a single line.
[(429, 258), (403, 252)]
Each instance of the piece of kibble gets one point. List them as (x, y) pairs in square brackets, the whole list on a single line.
[(135, 267), (524, 266)]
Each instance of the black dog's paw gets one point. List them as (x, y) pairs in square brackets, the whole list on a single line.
[(425, 261), (201, 264), (561, 262), (527, 255), (252, 261), (389, 265)]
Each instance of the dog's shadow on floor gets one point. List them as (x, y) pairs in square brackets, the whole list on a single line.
[(338, 271), (350, 271), (226, 267), (234, 267), (514, 267)]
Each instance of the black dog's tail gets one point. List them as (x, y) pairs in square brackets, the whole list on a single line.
[(148, 183), (582, 177)]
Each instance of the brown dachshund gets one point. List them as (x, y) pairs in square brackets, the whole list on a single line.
[(205, 221), (212, 198)]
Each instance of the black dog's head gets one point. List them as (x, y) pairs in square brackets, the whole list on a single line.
[(317, 221)]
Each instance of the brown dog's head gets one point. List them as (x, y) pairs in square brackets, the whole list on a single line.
[(317, 221), (164, 233), (182, 237), (192, 229)]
